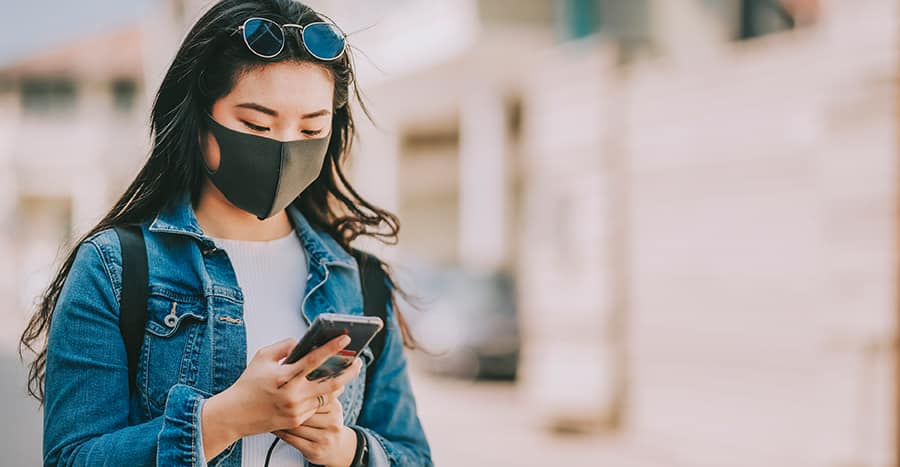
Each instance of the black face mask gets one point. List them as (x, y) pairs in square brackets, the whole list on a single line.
[(261, 175)]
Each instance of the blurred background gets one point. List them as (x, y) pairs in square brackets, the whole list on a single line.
[(641, 232)]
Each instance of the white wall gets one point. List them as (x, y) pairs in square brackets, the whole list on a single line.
[(763, 251), (759, 243)]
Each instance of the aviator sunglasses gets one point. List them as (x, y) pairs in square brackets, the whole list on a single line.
[(266, 38)]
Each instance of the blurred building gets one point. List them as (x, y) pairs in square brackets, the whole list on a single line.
[(696, 197), (71, 131)]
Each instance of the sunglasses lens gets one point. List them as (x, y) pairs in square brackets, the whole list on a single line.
[(263, 36), (323, 40)]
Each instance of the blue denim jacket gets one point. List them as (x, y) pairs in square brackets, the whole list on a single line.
[(89, 418)]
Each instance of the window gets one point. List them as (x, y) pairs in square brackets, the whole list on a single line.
[(580, 18), (48, 95), (761, 17), (124, 92), (625, 23), (534, 13)]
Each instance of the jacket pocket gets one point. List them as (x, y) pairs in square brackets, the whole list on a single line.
[(173, 336)]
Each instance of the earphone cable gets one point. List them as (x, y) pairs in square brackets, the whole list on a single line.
[(271, 448)]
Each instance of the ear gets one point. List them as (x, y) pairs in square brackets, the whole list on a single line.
[(205, 149)]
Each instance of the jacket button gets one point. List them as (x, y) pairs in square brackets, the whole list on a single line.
[(171, 319)]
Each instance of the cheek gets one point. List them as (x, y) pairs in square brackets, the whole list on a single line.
[(211, 152)]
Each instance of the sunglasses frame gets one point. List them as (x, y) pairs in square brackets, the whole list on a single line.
[(242, 28)]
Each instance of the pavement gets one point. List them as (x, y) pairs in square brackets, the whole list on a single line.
[(489, 424), (22, 424)]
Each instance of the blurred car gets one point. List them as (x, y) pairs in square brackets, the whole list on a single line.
[(468, 325)]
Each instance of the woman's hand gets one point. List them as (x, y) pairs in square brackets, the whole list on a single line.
[(323, 438), (271, 396)]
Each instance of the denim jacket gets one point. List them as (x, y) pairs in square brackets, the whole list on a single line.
[(90, 418)]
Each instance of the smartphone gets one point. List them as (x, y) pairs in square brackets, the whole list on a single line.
[(327, 326)]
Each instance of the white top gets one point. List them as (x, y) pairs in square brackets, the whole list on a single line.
[(272, 276)]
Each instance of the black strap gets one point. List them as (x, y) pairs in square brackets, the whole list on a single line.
[(375, 296), (133, 297), (375, 299)]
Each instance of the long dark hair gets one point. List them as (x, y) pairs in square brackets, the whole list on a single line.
[(205, 68)]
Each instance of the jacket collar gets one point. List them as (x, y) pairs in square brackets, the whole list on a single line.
[(177, 217)]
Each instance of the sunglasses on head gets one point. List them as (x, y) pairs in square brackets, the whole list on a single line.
[(266, 38)]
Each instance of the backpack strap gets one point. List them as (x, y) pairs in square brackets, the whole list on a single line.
[(375, 298), (133, 297)]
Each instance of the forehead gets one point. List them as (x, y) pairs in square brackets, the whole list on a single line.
[(288, 87)]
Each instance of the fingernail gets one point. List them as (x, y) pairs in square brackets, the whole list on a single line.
[(345, 339)]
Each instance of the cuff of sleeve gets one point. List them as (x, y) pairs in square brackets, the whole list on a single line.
[(180, 439), (378, 456)]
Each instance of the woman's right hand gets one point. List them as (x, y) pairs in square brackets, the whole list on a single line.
[(271, 396)]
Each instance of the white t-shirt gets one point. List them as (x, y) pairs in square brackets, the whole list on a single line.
[(272, 275)]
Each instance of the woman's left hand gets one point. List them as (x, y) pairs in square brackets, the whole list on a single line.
[(323, 438)]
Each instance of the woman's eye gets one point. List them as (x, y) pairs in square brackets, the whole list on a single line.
[(254, 127), (312, 132)]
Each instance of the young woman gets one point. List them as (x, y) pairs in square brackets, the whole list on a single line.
[(247, 217)]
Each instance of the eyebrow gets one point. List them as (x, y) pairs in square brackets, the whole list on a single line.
[(274, 113)]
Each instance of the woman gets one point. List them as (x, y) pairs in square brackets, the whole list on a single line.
[(248, 218)]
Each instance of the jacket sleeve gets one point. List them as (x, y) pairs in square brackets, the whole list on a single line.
[(86, 404), (389, 418)]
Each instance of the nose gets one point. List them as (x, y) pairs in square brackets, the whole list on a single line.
[(286, 136), (290, 132)]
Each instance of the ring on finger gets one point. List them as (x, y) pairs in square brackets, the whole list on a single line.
[(321, 400)]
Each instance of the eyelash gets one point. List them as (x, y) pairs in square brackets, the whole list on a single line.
[(262, 128)]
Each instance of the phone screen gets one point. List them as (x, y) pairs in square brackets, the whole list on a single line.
[(327, 326)]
